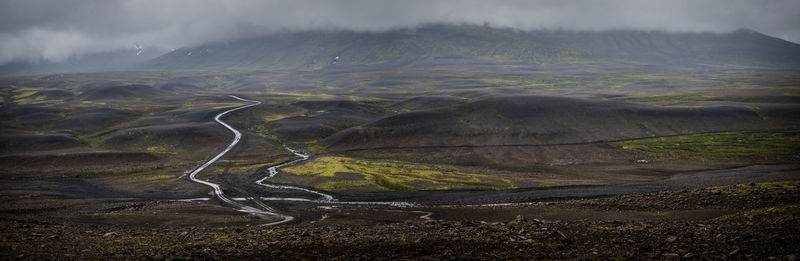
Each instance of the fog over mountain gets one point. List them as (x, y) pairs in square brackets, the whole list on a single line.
[(57, 31)]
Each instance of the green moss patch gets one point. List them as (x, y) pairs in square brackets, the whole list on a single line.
[(761, 145), (389, 175)]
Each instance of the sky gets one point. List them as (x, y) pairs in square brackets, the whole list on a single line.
[(54, 30)]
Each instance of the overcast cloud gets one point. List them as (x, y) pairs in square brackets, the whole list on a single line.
[(32, 30)]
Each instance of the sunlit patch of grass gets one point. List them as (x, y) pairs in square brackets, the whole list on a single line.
[(73, 88), (147, 177), (787, 185), (223, 105), (31, 100), (760, 145), (391, 175), (157, 177), (677, 97), (745, 189), (25, 95), (758, 111), (769, 215), (304, 95), (274, 117), (315, 146), (23, 92), (546, 83), (160, 150), (683, 106)]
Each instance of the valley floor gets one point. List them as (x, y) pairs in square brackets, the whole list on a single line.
[(756, 221)]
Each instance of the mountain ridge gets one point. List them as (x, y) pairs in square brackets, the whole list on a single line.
[(311, 50), (454, 44)]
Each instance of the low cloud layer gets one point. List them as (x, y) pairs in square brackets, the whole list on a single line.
[(34, 30)]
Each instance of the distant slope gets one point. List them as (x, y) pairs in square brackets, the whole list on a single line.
[(741, 47), (316, 49), (443, 44), (471, 44), (98, 62), (541, 120)]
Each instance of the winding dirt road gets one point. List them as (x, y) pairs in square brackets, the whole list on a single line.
[(217, 189), (273, 171)]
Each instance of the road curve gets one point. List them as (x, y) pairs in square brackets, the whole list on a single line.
[(217, 189)]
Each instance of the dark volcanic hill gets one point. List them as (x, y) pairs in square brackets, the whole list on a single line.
[(444, 44), (471, 44), (544, 120)]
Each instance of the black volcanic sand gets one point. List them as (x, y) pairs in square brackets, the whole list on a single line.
[(749, 221)]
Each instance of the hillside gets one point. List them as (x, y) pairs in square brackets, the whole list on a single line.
[(120, 60), (449, 44), (441, 44), (542, 120)]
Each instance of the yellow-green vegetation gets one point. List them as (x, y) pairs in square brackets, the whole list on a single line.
[(678, 97), (758, 111), (222, 105), (770, 215), (274, 117), (157, 177), (25, 92), (546, 83), (744, 189), (73, 88), (160, 150), (756, 145), (25, 95), (789, 185), (391, 175), (315, 146), (299, 95), (148, 177)]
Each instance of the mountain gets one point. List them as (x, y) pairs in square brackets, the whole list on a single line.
[(444, 44), (119, 60), (317, 49), (479, 44), (741, 47)]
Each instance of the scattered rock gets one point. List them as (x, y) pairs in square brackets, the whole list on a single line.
[(671, 239)]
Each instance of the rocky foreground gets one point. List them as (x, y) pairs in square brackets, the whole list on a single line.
[(742, 222)]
